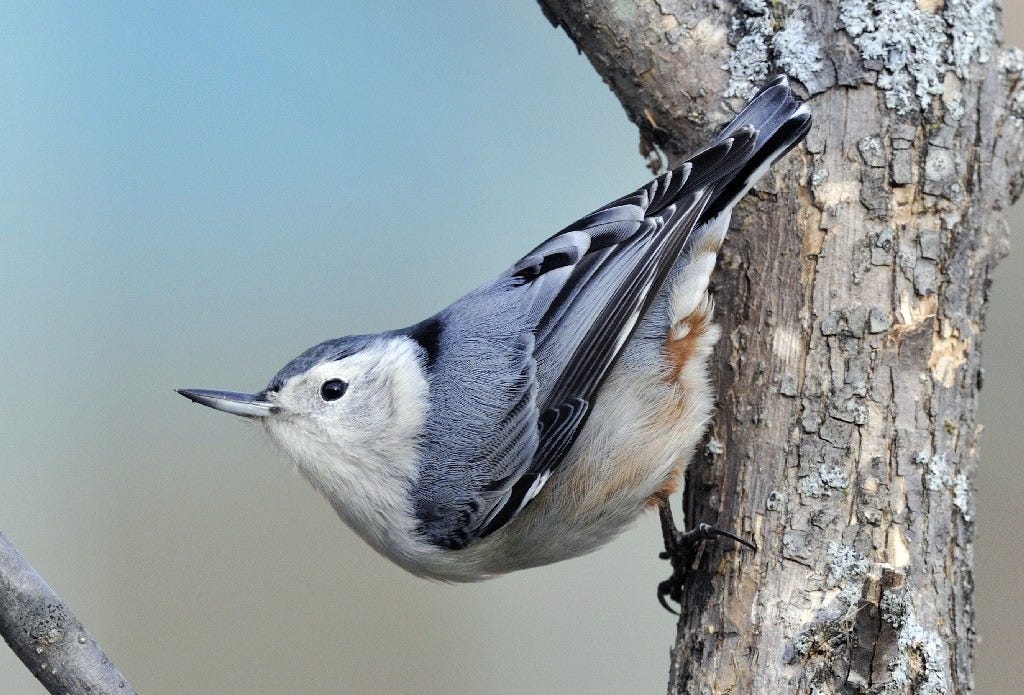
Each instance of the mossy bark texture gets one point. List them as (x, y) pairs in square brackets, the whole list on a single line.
[(852, 294)]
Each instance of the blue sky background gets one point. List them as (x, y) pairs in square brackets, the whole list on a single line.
[(192, 194)]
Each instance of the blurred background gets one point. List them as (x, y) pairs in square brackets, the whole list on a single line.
[(194, 194)]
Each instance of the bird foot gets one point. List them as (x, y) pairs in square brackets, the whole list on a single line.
[(681, 550)]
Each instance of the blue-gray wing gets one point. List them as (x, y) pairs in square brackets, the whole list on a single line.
[(515, 366)]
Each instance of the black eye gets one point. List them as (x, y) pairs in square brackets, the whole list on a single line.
[(333, 390)]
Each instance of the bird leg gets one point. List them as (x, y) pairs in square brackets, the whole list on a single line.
[(681, 549)]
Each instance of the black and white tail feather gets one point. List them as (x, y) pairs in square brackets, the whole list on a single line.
[(574, 301)]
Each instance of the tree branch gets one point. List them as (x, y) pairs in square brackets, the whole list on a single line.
[(45, 635)]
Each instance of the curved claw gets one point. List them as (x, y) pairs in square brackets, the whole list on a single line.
[(665, 588), (681, 550), (706, 531)]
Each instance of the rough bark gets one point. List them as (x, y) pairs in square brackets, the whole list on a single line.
[(44, 634), (852, 294)]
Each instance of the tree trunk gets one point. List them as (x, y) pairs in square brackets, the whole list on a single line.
[(851, 293)]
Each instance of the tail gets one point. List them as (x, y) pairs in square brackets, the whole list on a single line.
[(779, 121), (769, 126)]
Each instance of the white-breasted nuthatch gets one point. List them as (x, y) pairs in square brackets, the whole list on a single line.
[(536, 417)]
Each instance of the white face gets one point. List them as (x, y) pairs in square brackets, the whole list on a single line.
[(353, 405), (346, 399), (352, 428)]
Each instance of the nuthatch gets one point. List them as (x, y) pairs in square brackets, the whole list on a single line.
[(539, 415)]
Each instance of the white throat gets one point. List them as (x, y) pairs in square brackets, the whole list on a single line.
[(365, 460)]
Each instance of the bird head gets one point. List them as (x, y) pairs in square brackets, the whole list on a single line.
[(349, 413)]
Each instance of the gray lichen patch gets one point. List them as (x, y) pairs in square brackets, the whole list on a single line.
[(1012, 64), (937, 475), (823, 481), (846, 572), (878, 321), (774, 38), (895, 606), (972, 24), (748, 63), (907, 44), (962, 496), (872, 151), (920, 662), (798, 53), (912, 49)]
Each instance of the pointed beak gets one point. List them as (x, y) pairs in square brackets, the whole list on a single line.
[(244, 404)]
